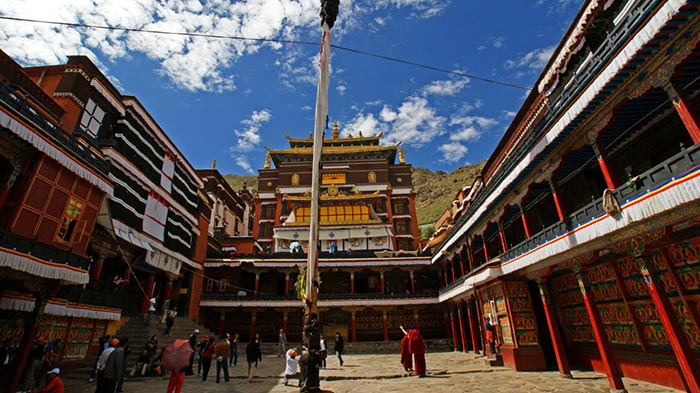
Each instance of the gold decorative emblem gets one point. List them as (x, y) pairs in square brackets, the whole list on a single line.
[(333, 190)]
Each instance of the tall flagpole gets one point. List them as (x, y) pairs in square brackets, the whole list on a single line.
[(312, 328)]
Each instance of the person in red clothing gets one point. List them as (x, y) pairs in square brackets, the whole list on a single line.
[(55, 384), (406, 360), (177, 379), (416, 346)]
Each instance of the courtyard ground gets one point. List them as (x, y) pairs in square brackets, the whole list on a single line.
[(447, 373)]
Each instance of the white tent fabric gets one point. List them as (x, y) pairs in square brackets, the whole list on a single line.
[(38, 267)]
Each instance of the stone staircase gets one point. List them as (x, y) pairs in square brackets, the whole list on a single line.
[(139, 334)]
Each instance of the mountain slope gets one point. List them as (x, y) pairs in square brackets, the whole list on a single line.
[(435, 191)]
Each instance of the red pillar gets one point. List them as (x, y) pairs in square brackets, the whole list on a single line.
[(354, 327), (462, 332), (687, 360), (556, 200), (602, 163), (524, 220), (222, 322), (486, 252), (148, 289), (454, 330), (254, 316), (352, 283), (386, 327), (473, 327), (447, 280), (454, 274), (413, 282), (286, 285), (167, 291), (470, 257), (461, 266), (503, 237), (606, 355), (96, 270), (557, 343), (685, 113), (284, 321), (381, 279), (257, 284)]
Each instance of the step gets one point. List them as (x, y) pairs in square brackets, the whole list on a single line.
[(494, 360)]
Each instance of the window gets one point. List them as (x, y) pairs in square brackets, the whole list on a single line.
[(268, 212), (399, 208), (223, 285), (210, 285), (92, 118), (401, 227), (71, 228)]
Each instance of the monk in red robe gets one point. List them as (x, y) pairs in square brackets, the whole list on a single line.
[(406, 360), (416, 346)]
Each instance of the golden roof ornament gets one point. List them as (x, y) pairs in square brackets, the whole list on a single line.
[(402, 156), (213, 164), (335, 134), (267, 160)]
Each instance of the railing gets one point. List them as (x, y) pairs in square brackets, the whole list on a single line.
[(601, 57), (650, 180), (41, 250), (686, 160), (10, 99), (364, 254), (322, 296)]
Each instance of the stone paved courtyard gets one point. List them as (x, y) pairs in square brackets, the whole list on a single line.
[(447, 373)]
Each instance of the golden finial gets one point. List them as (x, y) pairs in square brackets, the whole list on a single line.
[(359, 133), (402, 156), (213, 164), (311, 135), (267, 160), (335, 134)]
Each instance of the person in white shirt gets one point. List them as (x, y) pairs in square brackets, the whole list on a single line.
[(292, 368), (151, 310), (324, 351)]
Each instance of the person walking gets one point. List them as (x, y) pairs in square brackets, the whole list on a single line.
[(193, 345), (339, 347), (115, 366), (200, 351), (281, 344), (206, 358), (36, 356), (233, 357), (151, 310), (416, 346), (102, 363), (176, 381), (406, 359), (7, 354), (253, 356), (324, 351), (170, 320), (221, 351)]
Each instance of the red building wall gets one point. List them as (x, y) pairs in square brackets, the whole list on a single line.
[(44, 203)]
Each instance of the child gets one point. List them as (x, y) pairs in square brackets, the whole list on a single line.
[(291, 371)]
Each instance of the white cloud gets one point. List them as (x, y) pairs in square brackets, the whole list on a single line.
[(341, 89), (414, 123), (534, 60), (453, 152), (445, 87), (190, 63), (493, 41), (367, 123), (242, 162), (249, 138)]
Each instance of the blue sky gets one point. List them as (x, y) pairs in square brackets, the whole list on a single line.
[(225, 100)]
